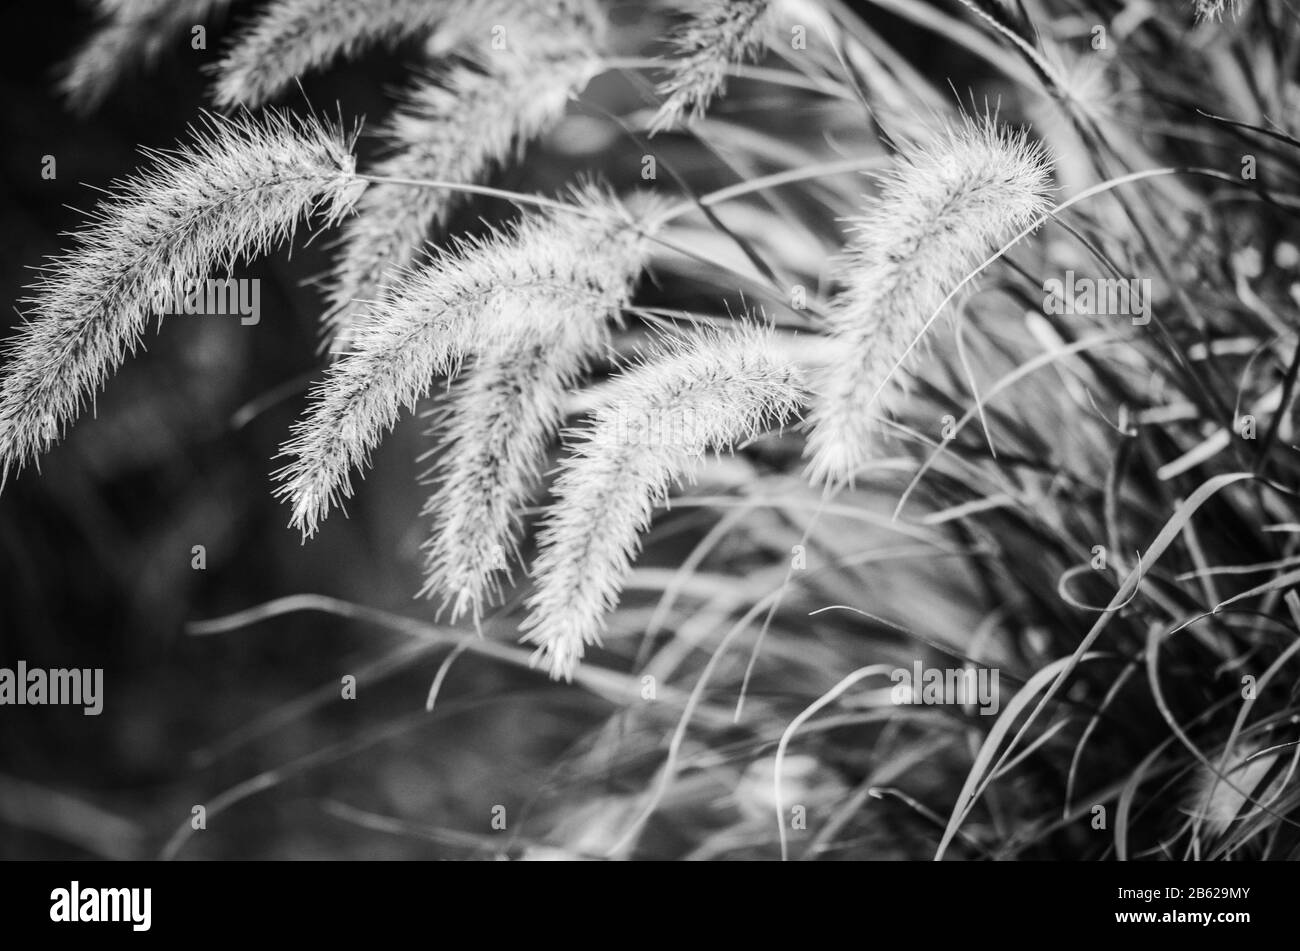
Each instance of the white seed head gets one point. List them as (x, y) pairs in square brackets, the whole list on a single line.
[(238, 190), (940, 213), (456, 127), (130, 32), (292, 37), (499, 292), (504, 415), (651, 428), (717, 35)]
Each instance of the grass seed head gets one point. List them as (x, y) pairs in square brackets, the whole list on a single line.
[(239, 189), (651, 429), (944, 208)]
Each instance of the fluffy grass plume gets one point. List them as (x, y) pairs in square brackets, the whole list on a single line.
[(237, 190), (717, 35), (498, 426), (495, 292), (650, 430), (941, 211), (130, 31), (1213, 9), (456, 127), (509, 409), (293, 37)]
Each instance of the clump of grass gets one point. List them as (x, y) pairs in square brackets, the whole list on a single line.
[(238, 189)]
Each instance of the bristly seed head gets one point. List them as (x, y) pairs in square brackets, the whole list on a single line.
[(131, 32), (455, 127), (718, 35), (238, 190), (1213, 9), (292, 37), (501, 418), (650, 429), (493, 294), (941, 212)]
